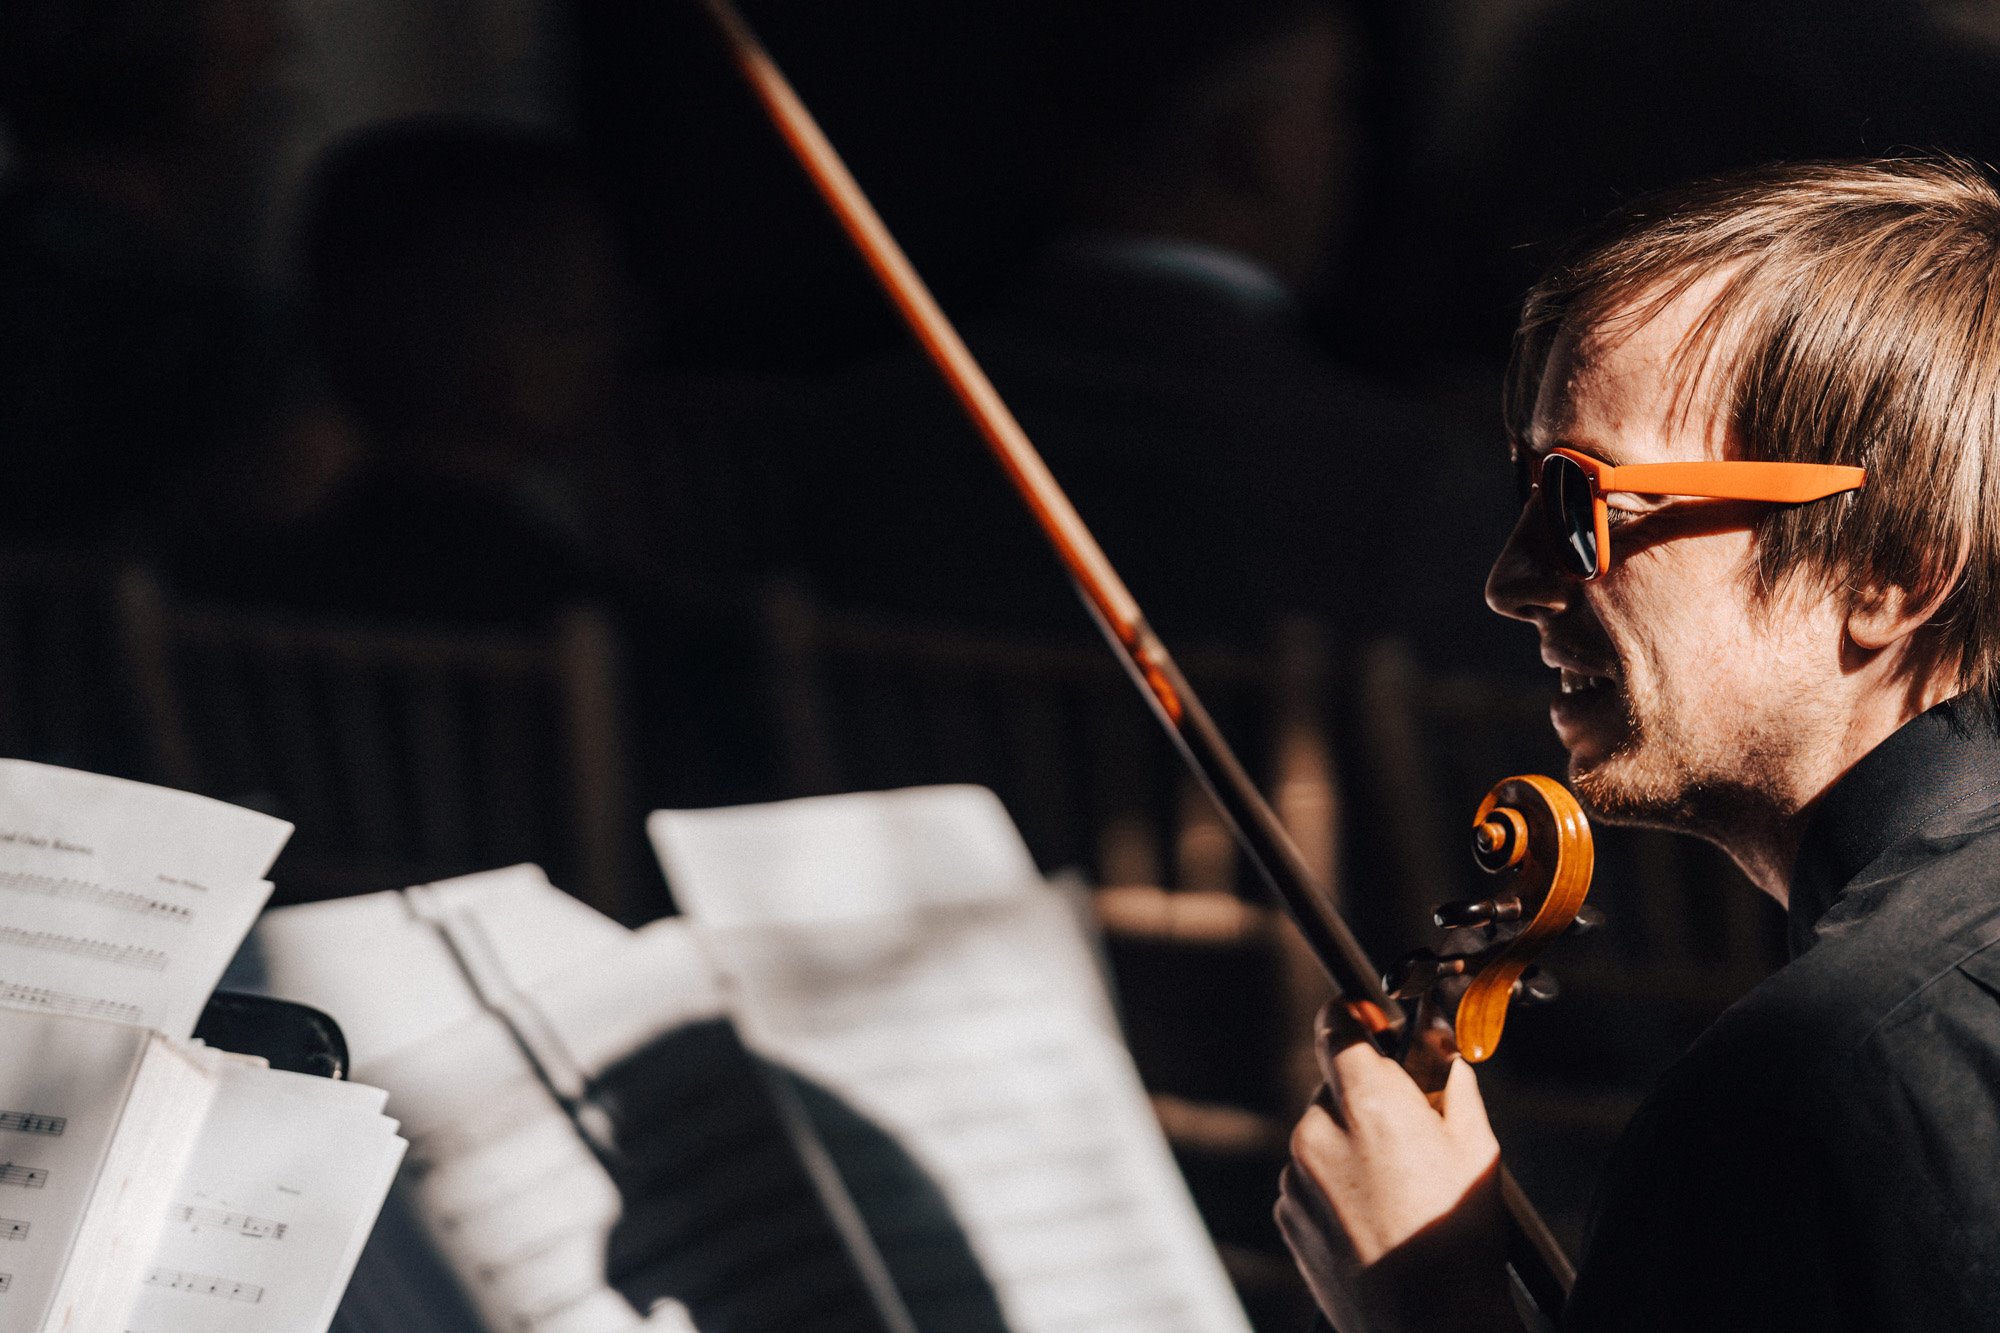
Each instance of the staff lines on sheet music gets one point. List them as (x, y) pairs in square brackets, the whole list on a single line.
[(25, 1177), (103, 951), (1056, 1056), (1003, 1164), (1034, 1100), (1038, 1219), (80, 890), (915, 1006), (62, 1002), (943, 1137), (203, 1284), (1014, 1018), (13, 1228), (940, 1098), (244, 1224), (6, 1281), (26, 1122)]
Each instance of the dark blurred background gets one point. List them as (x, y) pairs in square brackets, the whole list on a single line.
[(454, 425)]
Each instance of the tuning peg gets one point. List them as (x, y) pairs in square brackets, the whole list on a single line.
[(1465, 941), (1483, 912), (1419, 972), (1588, 918), (1536, 987)]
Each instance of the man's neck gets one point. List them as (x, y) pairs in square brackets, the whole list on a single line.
[(1765, 837)]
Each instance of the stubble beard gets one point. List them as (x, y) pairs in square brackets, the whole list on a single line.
[(1658, 777), (1636, 784)]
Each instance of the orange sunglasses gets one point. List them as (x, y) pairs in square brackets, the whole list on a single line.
[(1573, 487)]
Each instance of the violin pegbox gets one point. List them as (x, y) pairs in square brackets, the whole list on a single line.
[(1530, 830)]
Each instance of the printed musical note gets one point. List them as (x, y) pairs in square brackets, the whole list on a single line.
[(21, 1122), (77, 890), (202, 1284), (6, 1281), (61, 1002), (257, 1228), (13, 1229), (27, 1177), (121, 955)]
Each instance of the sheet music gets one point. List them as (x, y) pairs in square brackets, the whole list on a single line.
[(120, 900), (387, 972), (63, 1085), (899, 952), (271, 1211), (461, 1084), (691, 1187)]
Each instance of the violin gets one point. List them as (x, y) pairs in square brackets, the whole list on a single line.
[(1531, 834), (1529, 828)]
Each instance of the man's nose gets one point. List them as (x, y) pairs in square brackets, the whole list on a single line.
[(1526, 582)]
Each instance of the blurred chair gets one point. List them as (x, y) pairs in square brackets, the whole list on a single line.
[(870, 700), (1216, 992), (402, 755), (62, 699)]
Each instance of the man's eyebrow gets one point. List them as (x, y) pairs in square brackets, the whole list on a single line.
[(1576, 446)]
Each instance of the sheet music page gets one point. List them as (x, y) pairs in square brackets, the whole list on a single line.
[(954, 1040), (386, 972), (692, 1187), (273, 1207), (63, 1085), (123, 901), (842, 858)]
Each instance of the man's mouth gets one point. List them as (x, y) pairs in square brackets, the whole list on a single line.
[(1589, 707), (1579, 682)]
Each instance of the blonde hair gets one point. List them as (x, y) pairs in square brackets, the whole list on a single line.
[(1858, 323)]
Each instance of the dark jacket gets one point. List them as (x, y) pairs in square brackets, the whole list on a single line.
[(1827, 1156)]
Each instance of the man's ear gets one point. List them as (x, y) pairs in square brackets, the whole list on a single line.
[(1878, 617)]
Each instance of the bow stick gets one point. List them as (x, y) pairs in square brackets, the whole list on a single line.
[(1534, 1254)]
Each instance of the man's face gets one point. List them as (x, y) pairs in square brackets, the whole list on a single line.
[(1684, 699)]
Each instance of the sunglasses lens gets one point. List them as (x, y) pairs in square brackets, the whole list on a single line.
[(1566, 500)]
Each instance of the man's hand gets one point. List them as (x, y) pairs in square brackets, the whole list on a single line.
[(1391, 1209)]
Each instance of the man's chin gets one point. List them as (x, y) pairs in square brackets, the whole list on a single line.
[(1616, 789)]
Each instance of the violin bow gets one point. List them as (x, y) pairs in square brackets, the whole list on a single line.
[(1535, 1256)]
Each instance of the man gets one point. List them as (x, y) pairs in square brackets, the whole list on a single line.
[(1810, 686)]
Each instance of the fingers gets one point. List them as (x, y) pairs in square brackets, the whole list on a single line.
[(1301, 1197), (1318, 1136), (1335, 1030), (1362, 1084), (1464, 1109)]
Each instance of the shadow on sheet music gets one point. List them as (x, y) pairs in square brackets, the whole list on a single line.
[(725, 1212), (756, 1199)]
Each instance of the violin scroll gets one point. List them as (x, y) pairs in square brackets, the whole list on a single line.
[(1531, 830)]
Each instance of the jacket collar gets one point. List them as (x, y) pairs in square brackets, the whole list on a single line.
[(1934, 764)]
